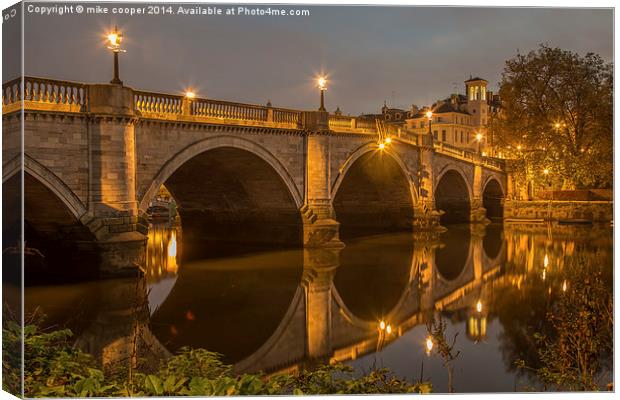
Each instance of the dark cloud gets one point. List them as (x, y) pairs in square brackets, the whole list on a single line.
[(409, 54)]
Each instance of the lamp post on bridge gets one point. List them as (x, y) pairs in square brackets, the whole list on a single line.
[(322, 83), (114, 43), (479, 140), (429, 115)]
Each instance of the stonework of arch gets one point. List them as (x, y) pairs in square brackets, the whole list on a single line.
[(456, 168), (492, 177), (48, 179), (194, 149), (363, 150)]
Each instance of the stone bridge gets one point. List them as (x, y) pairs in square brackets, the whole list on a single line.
[(95, 155)]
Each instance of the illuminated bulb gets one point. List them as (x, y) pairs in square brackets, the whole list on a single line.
[(190, 94), (557, 125), (484, 153), (388, 329), (519, 147), (479, 306), (429, 114), (479, 136), (112, 38), (322, 82), (388, 140), (382, 325), (546, 171), (429, 344), (381, 146)]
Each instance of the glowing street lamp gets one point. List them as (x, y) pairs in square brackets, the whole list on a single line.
[(479, 140), (190, 94), (479, 306), (388, 140), (382, 325), (546, 171), (322, 84), (381, 146), (115, 38), (429, 116)]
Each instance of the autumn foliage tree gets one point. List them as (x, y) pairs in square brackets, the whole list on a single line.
[(558, 115)]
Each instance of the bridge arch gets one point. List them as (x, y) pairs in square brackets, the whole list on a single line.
[(53, 230), (230, 189), (492, 199), (189, 152), (377, 184), (453, 195), (46, 177)]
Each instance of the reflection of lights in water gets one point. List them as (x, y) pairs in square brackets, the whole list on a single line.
[(161, 265), (479, 306), (171, 260), (564, 286), (546, 261), (544, 274), (189, 315), (429, 345), (477, 328)]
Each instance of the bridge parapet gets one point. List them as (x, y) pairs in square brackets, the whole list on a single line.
[(44, 94), (41, 94)]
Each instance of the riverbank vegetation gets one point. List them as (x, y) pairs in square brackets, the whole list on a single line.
[(54, 368)]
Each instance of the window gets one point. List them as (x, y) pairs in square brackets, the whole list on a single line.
[(435, 135), (443, 135), (421, 124), (438, 119), (461, 136)]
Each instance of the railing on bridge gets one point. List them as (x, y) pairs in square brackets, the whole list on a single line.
[(59, 95), (158, 103), (351, 124)]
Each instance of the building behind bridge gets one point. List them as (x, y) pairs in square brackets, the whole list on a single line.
[(457, 119)]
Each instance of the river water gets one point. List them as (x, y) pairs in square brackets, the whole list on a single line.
[(366, 305)]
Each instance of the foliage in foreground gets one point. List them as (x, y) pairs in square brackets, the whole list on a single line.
[(55, 369), (574, 351)]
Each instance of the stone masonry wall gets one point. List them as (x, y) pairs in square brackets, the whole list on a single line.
[(596, 211)]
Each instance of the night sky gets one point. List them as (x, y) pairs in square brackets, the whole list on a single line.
[(405, 55)]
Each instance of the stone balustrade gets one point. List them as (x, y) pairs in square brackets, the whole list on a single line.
[(40, 93), (65, 96)]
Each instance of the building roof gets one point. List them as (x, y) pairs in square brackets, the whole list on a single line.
[(476, 79)]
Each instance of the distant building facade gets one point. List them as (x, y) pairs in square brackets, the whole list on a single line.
[(459, 118)]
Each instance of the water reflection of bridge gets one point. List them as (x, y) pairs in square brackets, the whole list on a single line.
[(325, 320)]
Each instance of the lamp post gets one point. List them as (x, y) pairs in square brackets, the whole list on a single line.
[(479, 140), (322, 83), (429, 116), (115, 39)]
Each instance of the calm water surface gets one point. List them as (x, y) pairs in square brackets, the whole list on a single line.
[(279, 310)]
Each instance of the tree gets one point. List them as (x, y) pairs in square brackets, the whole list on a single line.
[(557, 114)]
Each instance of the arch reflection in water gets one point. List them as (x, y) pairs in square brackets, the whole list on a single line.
[(274, 311)]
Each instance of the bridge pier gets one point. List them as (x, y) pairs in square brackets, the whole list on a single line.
[(478, 213), (112, 205), (425, 216), (320, 228), (318, 276)]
